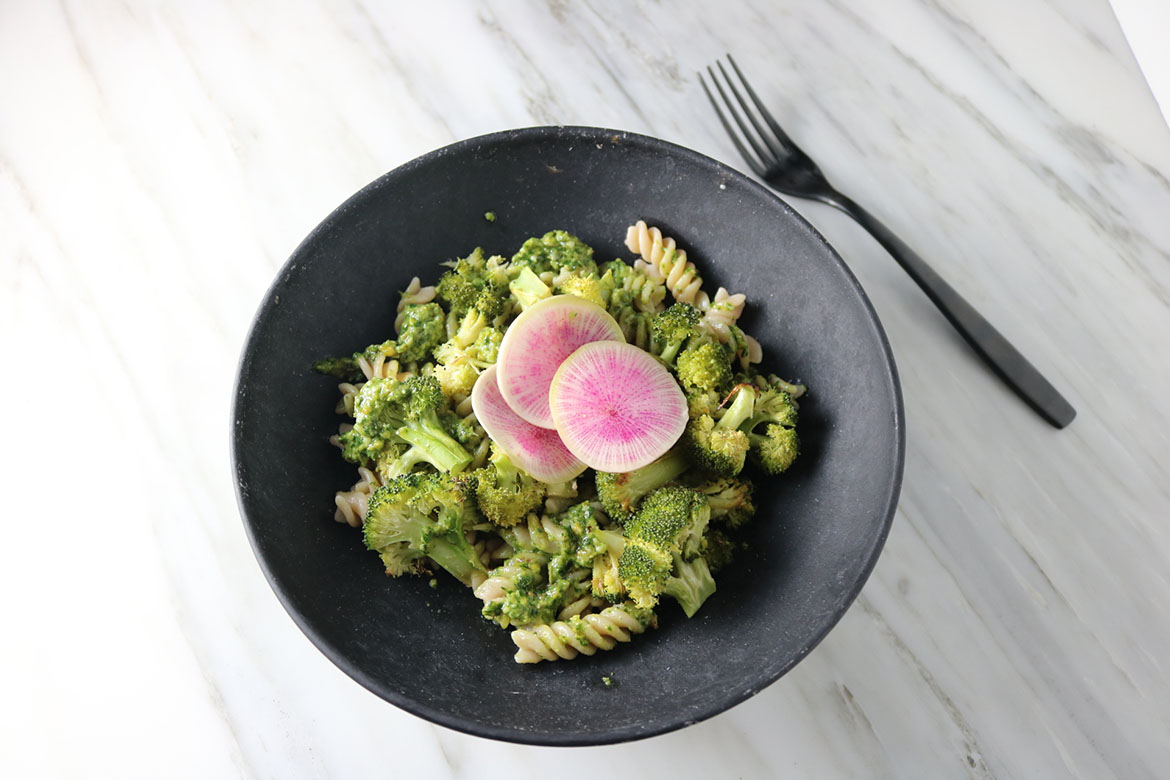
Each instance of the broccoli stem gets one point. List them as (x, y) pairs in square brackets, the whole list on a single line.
[(507, 475), (740, 410), (620, 493), (469, 328), (432, 445), (458, 559), (528, 288), (671, 352), (650, 477)]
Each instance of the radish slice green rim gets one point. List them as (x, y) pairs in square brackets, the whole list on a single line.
[(539, 451), (616, 407), (538, 341)]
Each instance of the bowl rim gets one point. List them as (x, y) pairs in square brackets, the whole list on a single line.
[(617, 735)]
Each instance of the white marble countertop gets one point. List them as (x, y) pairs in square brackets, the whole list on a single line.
[(159, 161)]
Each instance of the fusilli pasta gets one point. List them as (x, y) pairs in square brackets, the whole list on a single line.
[(541, 533), (722, 313), (660, 259), (503, 578), (584, 634), (353, 503), (664, 262)]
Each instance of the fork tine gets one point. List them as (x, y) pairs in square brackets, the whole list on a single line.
[(776, 145), (772, 123), (764, 154), (754, 164)]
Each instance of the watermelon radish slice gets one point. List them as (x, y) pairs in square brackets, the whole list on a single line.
[(539, 451), (616, 406), (535, 344)]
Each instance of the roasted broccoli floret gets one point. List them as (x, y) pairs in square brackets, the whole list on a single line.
[(700, 402), (673, 519), (663, 545), (477, 283), (585, 285), (771, 431), (456, 376), (475, 346), (673, 328), (397, 426), (554, 251), (419, 516), (718, 549), (644, 570), (342, 368), (347, 368), (690, 584), (486, 347), (730, 500), (505, 493), (774, 405), (718, 446), (421, 331), (775, 449), (593, 547), (620, 493), (704, 365), (465, 430)]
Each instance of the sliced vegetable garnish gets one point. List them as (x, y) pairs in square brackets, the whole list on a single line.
[(538, 451), (617, 408)]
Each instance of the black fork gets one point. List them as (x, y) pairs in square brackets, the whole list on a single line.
[(776, 159)]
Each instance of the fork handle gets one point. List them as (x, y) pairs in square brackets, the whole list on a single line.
[(1012, 367)]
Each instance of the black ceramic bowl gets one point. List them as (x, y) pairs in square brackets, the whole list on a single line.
[(819, 529)]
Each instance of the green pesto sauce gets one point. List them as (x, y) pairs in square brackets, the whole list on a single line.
[(554, 250), (490, 216)]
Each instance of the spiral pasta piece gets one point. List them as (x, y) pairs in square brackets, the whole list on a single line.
[(382, 367), (635, 326), (565, 639), (664, 262), (488, 549), (541, 532), (503, 578), (722, 313), (646, 294), (585, 604), (481, 449), (353, 503), (559, 497), (755, 353), (413, 295), (349, 393)]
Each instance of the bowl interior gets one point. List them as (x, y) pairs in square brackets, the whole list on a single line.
[(820, 526)]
